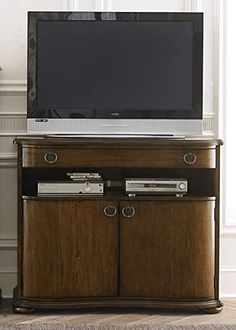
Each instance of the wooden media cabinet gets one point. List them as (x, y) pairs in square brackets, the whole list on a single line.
[(114, 250)]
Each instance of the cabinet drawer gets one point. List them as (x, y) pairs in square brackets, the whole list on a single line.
[(116, 157)]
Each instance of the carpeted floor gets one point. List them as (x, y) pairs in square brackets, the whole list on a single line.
[(120, 319)]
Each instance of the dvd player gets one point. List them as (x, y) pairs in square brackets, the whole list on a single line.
[(74, 188), (156, 186)]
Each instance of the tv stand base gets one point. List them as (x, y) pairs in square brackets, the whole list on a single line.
[(157, 251), (26, 306)]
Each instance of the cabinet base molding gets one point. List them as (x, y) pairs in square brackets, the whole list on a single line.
[(25, 306), (23, 310), (214, 310)]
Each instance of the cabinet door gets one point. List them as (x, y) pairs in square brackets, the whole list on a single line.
[(167, 249), (69, 249)]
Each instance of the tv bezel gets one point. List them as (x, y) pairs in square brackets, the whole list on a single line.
[(194, 113)]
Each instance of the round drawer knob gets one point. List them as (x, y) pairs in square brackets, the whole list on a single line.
[(50, 157), (128, 211), (190, 158), (110, 210)]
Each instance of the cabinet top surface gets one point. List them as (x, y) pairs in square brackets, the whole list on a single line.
[(117, 141)]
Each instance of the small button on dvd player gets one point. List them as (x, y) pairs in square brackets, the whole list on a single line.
[(156, 186)]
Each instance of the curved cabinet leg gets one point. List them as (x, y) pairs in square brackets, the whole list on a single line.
[(23, 310), (214, 310)]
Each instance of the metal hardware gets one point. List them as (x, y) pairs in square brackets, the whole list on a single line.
[(110, 210), (131, 195), (190, 158), (128, 211), (50, 157)]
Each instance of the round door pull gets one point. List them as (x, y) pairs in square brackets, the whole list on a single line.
[(110, 210), (50, 157), (128, 211), (190, 158)]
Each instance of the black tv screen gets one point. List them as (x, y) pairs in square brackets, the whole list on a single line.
[(87, 65), (115, 65)]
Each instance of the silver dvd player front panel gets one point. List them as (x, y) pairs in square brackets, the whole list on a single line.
[(156, 186), (70, 188)]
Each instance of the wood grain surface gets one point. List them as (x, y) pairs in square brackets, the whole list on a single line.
[(70, 249), (125, 157), (167, 250)]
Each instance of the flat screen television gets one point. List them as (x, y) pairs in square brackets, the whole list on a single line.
[(115, 73)]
